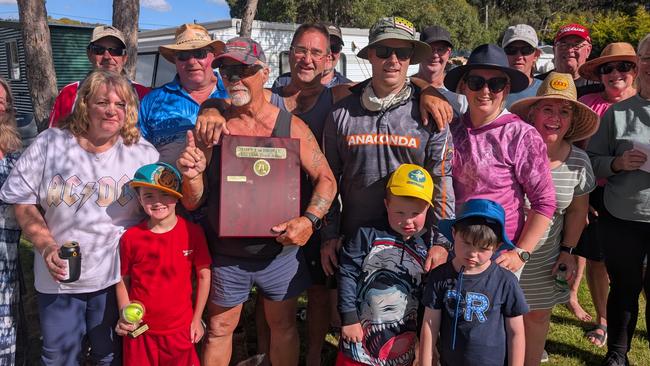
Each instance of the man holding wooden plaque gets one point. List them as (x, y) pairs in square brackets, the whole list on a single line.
[(260, 154)]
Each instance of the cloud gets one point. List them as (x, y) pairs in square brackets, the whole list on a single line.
[(7, 2), (218, 2), (157, 5)]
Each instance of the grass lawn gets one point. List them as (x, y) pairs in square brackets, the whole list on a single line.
[(566, 343)]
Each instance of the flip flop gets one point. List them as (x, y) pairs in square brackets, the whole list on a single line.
[(597, 339)]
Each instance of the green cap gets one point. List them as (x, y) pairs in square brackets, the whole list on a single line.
[(161, 176), (396, 28)]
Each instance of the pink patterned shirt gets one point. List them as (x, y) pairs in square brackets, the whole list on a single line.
[(503, 161)]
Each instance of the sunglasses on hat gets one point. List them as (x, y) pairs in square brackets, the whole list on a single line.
[(238, 72), (99, 50), (609, 67), (524, 50), (402, 53), (199, 54), (476, 83)]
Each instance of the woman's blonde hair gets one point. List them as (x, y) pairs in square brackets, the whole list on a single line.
[(9, 136), (78, 122), (10, 110)]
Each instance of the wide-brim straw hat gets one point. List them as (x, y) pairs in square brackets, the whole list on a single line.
[(617, 51), (561, 86), (491, 57), (396, 28), (190, 37)]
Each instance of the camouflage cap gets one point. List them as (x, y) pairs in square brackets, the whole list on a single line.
[(396, 28), (241, 49)]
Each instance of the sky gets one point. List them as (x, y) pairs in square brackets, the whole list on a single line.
[(154, 14)]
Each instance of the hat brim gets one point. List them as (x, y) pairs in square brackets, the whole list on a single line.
[(445, 226), (404, 192), (518, 80), (585, 121), (235, 56), (589, 70), (168, 51), (421, 52), (136, 183), (519, 38)]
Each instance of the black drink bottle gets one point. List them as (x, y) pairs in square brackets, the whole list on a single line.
[(71, 254)]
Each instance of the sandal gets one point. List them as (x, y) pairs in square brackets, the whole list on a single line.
[(597, 339)]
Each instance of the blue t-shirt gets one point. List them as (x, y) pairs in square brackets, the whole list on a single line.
[(531, 91), (486, 299), (167, 113)]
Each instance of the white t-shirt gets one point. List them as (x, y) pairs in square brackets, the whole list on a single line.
[(85, 198)]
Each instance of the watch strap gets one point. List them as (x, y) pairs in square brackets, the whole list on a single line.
[(316, 222), (568, 249)]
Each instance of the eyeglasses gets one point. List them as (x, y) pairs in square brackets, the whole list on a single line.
[(315, 53), (336, 48), (607, 68), (199, 54), (238, 72), (524, 50), (402, 53), (99, 50), (476, 83), (440, 50), (571, 46)]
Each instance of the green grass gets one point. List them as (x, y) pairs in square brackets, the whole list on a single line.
[(566, 343)]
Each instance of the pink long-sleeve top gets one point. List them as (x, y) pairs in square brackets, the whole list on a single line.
[(503, 161)]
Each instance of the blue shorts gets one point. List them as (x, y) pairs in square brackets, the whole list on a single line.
[(277, 279)]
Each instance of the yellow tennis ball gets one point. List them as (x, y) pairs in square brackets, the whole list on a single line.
[(133, 312)]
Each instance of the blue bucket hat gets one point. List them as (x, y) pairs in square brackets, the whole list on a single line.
[(491, 57), (160, 176), (489, 210)]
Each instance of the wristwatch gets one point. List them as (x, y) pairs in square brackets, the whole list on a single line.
[(316, 222), (568, 249), (523, 255)]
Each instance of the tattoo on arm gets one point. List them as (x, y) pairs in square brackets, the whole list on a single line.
[(320, 203)]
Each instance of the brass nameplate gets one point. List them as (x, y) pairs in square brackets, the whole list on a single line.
[(236, 178), (256, 152), (143, 328)]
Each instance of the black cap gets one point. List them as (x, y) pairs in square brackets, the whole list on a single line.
[(436, 34)]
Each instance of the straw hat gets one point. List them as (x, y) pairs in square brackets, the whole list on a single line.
[(190, 37), (561, 86), (618, 51)]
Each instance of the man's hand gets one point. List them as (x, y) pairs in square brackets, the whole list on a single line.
[(329, 255), (352, 333), (294, 232), (55, 265), (191, 162), (436, 256), (630, 160), (432, 102), (510, 260), (210, 124)]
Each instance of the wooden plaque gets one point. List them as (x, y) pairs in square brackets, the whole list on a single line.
[(260, 184)]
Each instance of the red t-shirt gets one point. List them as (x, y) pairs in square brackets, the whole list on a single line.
[(160, 268)]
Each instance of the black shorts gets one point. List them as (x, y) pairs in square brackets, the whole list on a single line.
[(592, 243), (311, 252)]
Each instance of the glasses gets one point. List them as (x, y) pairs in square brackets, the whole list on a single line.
[(402, 53), (618, 66), (99, 50), (199, 54), (523, 50), (476, 83), (336, 48), (301, 52), (564, 46), (238, 72), (440, 50)]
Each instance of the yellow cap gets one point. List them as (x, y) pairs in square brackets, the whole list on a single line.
[(413, 181)]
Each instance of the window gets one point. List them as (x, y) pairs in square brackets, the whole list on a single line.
[(165, 72), (13, 64), (145, 68), (342, 65), (284, 62)]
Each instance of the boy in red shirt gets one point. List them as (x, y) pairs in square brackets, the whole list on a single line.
[(157, 257)]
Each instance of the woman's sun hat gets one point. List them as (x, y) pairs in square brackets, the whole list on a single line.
[(561, 86), (617, 51)]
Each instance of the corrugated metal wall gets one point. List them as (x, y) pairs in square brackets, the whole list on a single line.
[(19, 87)]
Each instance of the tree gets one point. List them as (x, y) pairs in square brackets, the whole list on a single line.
[(125, 18), (247, 19), (41, 77)]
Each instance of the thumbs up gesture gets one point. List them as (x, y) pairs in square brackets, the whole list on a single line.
[(191, 162)]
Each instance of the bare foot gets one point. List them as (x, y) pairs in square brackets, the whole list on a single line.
[(576, 309)]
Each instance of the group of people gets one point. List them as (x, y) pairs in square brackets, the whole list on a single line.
[(448, 206)]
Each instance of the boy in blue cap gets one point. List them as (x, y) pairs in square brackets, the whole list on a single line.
[(157, 257), (476, 305)]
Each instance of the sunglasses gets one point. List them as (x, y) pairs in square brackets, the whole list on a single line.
[(99, 50), (238, 72), (476, 83), (199, 54), (336, 48), (402, 53), (607, 68), (524, 50)]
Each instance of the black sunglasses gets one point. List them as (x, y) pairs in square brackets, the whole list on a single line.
[(607, 68), (402, 53), (199, 54), (476, 83), (238, 72), (99, 50), (524, 50), (336, 48)]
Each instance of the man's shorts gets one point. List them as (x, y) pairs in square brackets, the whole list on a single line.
[(591, 244), (311, 251), (277, 279), (173, 349)]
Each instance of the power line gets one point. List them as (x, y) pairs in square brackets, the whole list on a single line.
[(104, 20)]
